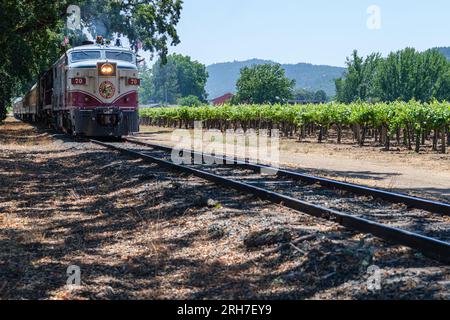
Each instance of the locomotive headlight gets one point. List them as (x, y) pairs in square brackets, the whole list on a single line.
[(107, 69)]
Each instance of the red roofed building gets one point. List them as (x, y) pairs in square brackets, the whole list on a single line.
[(222, 100)]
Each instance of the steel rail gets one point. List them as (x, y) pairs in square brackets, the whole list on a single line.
[(430, 247), (410, 201)]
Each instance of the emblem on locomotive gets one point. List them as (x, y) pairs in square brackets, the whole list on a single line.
[(107, 89)]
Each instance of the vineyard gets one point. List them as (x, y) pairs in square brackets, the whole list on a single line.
[(410, 124)]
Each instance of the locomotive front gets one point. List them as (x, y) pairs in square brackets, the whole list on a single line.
[(102, 91)]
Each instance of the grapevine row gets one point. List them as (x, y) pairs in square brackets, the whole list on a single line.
[(405, 123)]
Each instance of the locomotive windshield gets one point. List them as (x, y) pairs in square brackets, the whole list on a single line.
[(119, 55), (82, 55), (85, 55)]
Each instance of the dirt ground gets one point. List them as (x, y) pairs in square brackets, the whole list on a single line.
[(139, 232), (426, 174)]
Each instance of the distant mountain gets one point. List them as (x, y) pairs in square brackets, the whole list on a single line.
[(445, 51), (223, 76)]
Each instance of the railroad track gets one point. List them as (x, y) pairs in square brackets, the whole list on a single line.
[(417, 223)]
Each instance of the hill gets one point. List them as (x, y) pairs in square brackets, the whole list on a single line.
[(445, 51), (223, 76)]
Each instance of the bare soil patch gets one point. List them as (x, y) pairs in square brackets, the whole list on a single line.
[(139, 232)]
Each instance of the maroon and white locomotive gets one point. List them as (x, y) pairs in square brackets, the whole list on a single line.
[(92, 90)]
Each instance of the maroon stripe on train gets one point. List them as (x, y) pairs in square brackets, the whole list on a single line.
[(85, 100)]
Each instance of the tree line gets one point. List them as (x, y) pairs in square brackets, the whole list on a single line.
[(178, 80), (401, 76), (305, 96)]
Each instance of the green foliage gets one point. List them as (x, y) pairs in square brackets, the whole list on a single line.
[(320, 96), (151, 22), (412, 119), (179, 77), (393, 116), (28, 38), (403, 75), (399, 76), (146, 88), (189, 101), (304, 95), (360, 78), (265, 83), (164, 80)]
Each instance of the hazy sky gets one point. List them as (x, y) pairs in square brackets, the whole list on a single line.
[(315, 31)]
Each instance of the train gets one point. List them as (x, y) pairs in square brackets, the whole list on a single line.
[(92, 90)]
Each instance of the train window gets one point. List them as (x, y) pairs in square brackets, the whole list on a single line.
[(118, 55), (84, 55)]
